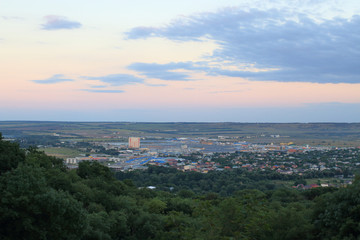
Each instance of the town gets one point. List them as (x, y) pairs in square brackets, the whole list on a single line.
[(324, 154), (222, 154)]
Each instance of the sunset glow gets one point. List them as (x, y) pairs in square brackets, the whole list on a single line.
[(205, 61)]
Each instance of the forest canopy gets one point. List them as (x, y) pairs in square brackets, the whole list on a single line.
[(42, 199)]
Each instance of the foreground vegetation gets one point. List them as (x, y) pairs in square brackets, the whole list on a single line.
[(41, 199)]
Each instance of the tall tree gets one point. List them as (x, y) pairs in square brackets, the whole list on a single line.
[(10, 155), (32, 210)]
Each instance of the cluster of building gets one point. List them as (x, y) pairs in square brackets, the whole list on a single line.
[(204, 155)]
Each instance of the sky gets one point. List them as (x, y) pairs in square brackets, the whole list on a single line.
[(180, 61)]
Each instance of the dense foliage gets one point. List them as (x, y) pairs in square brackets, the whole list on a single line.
[(41, 199), (225, 182)]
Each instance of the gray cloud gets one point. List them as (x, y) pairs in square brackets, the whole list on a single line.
[(163, 71), (167, 71), (57, 78), (295, 46), (117, 79), (141, 32), (53, 22), (103, 91), (234, 91), (11, 18), (156, 85), (99, 86)]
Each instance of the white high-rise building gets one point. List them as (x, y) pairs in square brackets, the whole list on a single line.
[(134, 142)]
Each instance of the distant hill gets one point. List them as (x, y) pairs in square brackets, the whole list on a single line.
[(304, 133)]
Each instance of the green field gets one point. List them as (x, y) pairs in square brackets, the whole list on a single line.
[(61, 152), (325, 134)]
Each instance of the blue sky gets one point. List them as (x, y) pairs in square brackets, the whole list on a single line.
[(240, 61)]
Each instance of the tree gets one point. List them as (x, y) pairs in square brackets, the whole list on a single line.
[(291, 223), (40, 159), (155, 206), (31, 209), (94, 169), (337, 214), (10, 155)]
